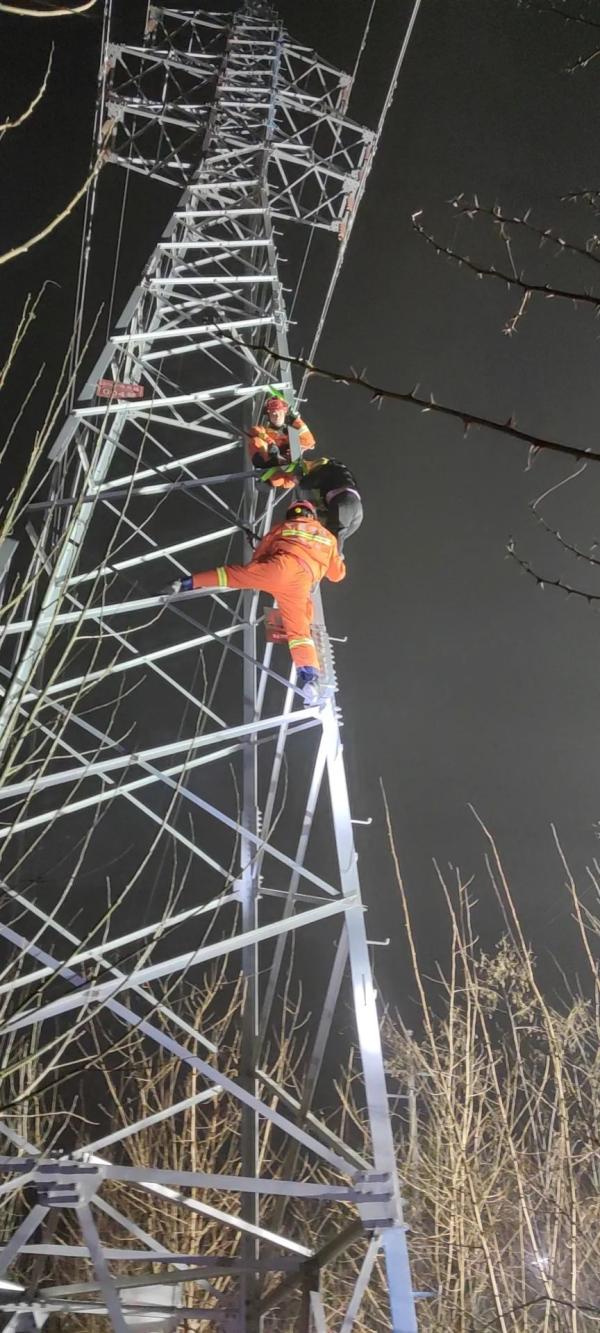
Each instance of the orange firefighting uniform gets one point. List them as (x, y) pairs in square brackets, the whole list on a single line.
[(263, 437), (287, 562)]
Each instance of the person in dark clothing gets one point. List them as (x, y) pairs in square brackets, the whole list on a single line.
[(330, 485)]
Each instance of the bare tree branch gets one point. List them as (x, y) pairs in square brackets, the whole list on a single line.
[(511, 280), (589, 597), (28, 315), (584, 61), (14, 124), (469, 419), (472, 208), (562, 541), (592, 1311), (562, 13), (63, 12), (60, 217), (567, 18), (572, 549)]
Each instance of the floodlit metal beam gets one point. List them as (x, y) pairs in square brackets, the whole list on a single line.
[(196, 1266), (369, 1037), (209, 1071), (318, 1127), (155, 928), (100, 613), (297, 1189), (150, 489), (229, 1220), (20, 1237), (317, 1311), (120, 1010), (105, 991), (127, 1131), (185, 746), (361, 1284), (184, 791), (105, 1281), (138, 661)]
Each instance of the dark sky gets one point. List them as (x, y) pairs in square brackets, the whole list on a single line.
[(461, 682)]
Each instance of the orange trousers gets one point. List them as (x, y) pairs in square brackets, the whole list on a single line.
[(285, 579)]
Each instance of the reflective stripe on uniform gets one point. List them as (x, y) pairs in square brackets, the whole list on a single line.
[(306, 536), (298, 643), (279, 467), (222, 577)]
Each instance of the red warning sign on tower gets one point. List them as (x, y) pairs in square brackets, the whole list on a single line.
[(116, 389)]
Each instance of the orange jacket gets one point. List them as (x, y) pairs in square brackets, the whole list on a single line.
[(262, 437), (307, 539)]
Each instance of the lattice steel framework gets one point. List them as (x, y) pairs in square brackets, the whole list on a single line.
[(253, 129)]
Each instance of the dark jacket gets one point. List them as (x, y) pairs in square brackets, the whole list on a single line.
[(324, 475)]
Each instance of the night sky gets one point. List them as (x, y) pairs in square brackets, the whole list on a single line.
[(461, 681)]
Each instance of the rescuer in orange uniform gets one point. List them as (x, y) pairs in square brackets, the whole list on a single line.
[(270, 444), (288, 562)]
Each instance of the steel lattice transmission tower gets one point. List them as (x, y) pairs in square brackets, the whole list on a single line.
[(112, 736)]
